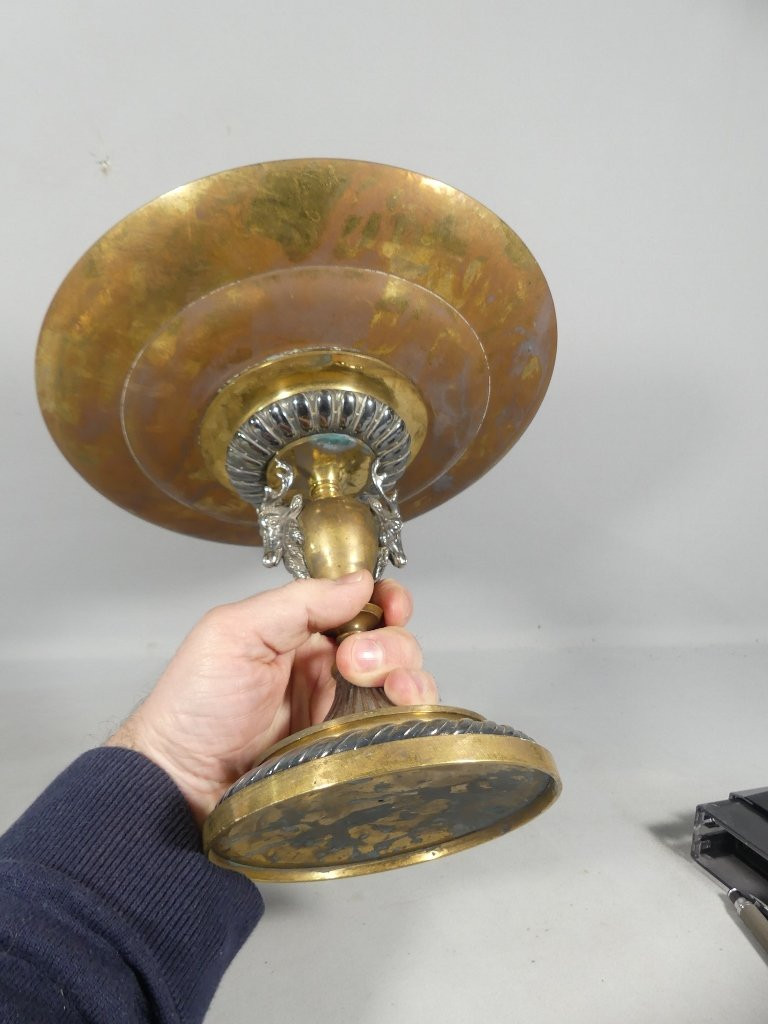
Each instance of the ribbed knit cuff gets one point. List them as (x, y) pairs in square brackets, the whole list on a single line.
[(118, 825)]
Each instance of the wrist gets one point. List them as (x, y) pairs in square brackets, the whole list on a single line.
[(135, 734)]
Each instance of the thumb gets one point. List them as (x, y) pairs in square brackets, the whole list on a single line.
[(283, 619)]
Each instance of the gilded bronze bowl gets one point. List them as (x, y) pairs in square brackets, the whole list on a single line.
[(309, 353)]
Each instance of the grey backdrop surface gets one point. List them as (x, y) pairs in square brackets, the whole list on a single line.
[(617, 557)]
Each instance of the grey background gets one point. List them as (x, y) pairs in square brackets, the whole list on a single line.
[(604, 588)]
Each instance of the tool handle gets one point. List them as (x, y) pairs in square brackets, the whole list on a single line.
[(757, 923)]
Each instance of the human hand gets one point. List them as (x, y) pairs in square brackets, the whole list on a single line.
[(252, 672)]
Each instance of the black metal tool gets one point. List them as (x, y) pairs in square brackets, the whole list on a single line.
[(730, 840)]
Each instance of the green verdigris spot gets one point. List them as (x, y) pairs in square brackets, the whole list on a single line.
[(349, 225), (291, 208), (444, 237), (371, 229)]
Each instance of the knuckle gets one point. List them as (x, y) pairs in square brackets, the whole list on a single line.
[(402, 647), (215, 620)]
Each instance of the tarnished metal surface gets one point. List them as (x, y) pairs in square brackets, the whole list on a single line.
[(283, 379), (381, 807), (358, 739), (339, 448), (214, 278), (349, 699), (268, 431)]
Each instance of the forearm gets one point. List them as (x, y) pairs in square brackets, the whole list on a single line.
[(111, 911)]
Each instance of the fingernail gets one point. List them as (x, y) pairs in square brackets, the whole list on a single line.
[(351, 577), (367, 654)]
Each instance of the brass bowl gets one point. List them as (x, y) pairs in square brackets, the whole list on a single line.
[(279, 345), (227, 273)]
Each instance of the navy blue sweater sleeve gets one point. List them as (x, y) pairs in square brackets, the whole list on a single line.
[(109, 911)]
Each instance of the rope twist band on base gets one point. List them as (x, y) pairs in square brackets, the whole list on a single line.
[(358, 739)]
